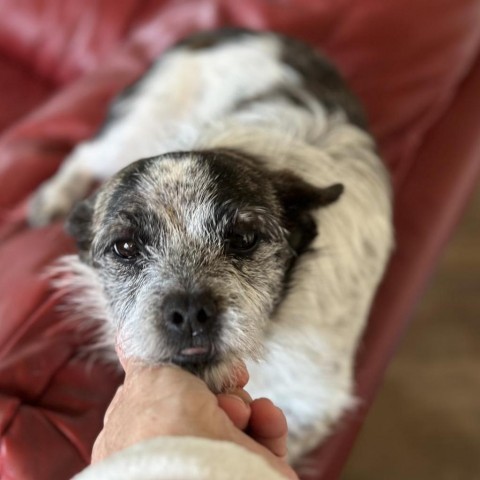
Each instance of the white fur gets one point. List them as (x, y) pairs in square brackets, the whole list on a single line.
[(182, 95), (311, 342), (312, 339)]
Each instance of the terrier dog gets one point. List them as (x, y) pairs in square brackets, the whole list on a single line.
[(255, 227)]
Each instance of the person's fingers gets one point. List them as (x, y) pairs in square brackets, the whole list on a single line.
[(243, 394), (98, 453), (277, 462), (238, 379), (119, 351), (113, 403), (267, 420), (235, 408), (240, 375), (134, 366), (167, 375), (196, 411), (268, 426)]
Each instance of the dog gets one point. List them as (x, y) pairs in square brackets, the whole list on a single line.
[(256, 225)]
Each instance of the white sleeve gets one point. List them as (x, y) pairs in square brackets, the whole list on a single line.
[(181, 458)]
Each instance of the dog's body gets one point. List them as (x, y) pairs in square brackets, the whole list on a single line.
[(211, 254)]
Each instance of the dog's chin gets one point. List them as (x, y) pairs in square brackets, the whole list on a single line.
[(215, 371), (196, 362)]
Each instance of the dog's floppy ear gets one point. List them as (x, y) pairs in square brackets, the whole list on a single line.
[(298, 199), (79, 224)]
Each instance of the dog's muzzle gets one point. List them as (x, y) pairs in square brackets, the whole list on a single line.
[(191, 322)]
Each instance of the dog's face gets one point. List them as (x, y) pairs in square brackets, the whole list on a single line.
[(193, 250)]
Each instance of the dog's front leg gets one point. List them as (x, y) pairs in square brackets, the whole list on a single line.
[(56, 197)]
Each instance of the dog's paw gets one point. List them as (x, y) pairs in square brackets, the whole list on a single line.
[(49, 203)]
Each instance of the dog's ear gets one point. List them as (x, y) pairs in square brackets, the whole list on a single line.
[(79, 224), (298, 199)]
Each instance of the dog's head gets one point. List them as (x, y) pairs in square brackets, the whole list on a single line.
[(193, 250)]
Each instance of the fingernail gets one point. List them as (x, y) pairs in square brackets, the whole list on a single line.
[(236, 398)]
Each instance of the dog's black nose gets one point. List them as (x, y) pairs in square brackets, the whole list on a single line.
[(190, 313)]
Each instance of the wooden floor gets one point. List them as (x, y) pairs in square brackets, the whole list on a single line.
[(425, 423)]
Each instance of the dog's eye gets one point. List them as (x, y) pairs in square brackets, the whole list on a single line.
[(241, 243), (126, 249)]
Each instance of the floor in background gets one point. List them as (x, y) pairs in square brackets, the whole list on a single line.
[(425, 422)]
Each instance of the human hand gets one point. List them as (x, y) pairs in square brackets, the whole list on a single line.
[(168, 401)]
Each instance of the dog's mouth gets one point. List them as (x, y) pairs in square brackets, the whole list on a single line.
[(195, 358), (192, 355)]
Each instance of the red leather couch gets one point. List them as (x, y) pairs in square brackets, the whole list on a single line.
[(415, 64)]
